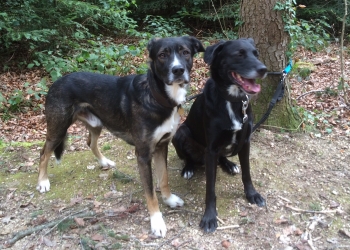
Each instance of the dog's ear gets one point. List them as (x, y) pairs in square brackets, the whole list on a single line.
[(251, 40), (151, 43), (196, 44), (212, 51)]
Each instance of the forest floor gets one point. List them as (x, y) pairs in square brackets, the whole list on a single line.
[(304, 176)]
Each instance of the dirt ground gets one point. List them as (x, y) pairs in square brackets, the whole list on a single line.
[(304, 178)]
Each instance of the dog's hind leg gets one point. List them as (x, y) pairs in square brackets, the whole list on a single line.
[(228, 166), (94, 125), (188, 150), (55, 137), (94, 134), (161, 171)]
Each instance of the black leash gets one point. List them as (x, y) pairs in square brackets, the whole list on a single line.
[(278, 95)]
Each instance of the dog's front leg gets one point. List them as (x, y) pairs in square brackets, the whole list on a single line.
[(209, 221), (161, 171), (144, 160), (251, 194)]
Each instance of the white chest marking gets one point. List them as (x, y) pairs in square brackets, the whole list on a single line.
[(176, 92), (233, 90), (168, 126), (236, 125)]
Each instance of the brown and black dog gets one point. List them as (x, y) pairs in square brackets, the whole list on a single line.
[(140, 109), (220, 121)]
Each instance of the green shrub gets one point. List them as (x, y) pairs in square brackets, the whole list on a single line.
[(309, 34)]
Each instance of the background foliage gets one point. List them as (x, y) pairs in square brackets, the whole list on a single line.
[(62, 36)]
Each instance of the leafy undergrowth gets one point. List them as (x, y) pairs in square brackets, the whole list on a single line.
[(304, 179), (303, 176)]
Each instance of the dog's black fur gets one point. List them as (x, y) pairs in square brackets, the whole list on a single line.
[(214, 127), (141, 109)]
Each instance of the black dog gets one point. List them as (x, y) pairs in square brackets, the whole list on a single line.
[(219, 123), (141, 109)]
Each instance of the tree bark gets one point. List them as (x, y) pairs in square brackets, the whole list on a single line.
[(266, 27)]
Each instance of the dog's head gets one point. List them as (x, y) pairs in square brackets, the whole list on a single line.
[(171, 62), (235, 65)]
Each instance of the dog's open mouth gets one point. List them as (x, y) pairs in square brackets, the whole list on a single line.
[(248, 85)]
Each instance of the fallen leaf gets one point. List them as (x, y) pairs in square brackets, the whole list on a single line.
[(10, 195), (175, 243), (289, 230), (40, 220), (90, 197), (345, 232), (97, 204), (298, 232), (79, 221), (48, 242), (133, 208), (243, 214), (103, 176), (334, 204), (76, 200), (97, 237), (225, 244), (119, 209), (281, 221), (25, 205), (6, 220)]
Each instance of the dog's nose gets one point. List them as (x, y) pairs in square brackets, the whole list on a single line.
[(178, 70), (262, 70)]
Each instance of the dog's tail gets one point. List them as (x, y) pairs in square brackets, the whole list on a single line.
[(59, 150)]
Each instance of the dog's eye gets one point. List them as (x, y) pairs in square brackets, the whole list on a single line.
[(185, 52), (241, 52), (161, 55)]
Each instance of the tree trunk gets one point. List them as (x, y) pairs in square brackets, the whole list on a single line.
[(266, 27)]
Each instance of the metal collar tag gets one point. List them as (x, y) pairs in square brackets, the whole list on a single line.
[(244, 108)]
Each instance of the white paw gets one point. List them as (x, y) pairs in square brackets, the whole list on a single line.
[(158, 225), (236, 169), (173, 201), (43, 186), (188, 175), (106, 163)]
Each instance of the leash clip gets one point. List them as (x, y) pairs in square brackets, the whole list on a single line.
[(244, 108)]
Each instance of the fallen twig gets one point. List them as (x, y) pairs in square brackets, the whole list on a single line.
[(221, 221), (310, 92), (310, 211), (285, 199), (69, 216), (21, 234), (227, 227), (181, 211)]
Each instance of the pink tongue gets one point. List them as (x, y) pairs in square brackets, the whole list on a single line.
[(250, 86)]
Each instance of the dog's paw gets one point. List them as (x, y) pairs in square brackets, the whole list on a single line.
[(43, 186), (209, 222), (229, 166), (187, 173), (158, 225), (106, 163), (173, 201), (257, 199)]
